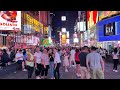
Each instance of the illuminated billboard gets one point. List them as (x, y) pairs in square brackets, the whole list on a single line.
[(64, 38), (63, 30), (10, 20), (81, 26), (68, 35), (105, 14), (92, 18), (36, 25), (63, 18)]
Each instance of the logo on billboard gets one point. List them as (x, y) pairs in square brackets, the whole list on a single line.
[(10, 19)]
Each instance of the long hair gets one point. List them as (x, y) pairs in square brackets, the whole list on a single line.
[(115, 50), (24, 51), (77, 50), (4, 50)]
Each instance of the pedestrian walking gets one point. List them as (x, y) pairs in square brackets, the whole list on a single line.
[(38, 65), (115, 56), (57, 63), (83, 67), (66, 62), (95, 64), (77, 60), (72, 57)]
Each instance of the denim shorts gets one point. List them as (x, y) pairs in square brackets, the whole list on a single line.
[(19, 61)]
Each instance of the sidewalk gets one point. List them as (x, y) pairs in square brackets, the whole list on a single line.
[(7, 69)]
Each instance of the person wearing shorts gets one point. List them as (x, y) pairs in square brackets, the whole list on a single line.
[(83, 68), (77, 60)]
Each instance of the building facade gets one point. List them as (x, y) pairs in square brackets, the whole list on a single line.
[(108, 32)]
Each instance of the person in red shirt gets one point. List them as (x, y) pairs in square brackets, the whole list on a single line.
[(77, 60)]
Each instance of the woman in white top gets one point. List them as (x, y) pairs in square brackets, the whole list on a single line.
[(66, 62), (45, 64), (38, 65), (115, 56), (19, 59), (57, 63)]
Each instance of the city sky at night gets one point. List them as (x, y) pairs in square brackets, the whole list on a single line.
[(71, 17)]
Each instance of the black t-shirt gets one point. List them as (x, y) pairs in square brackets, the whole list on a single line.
[(51, 56), (82, 57)]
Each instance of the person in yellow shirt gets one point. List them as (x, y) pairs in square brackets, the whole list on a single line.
[(30, 64)]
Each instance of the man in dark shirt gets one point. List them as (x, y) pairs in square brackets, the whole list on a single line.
[(82, 57)]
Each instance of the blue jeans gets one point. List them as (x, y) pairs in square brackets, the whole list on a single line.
[(51, 69)]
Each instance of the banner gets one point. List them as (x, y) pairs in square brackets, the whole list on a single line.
[(10, 20)]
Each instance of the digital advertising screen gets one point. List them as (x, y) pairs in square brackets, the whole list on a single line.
[(109, 29)]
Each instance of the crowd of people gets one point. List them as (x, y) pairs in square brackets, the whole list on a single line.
[(88, 63)]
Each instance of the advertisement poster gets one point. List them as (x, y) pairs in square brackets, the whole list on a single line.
[(64, 39), (92, 18), (104, 14), (10, 20)]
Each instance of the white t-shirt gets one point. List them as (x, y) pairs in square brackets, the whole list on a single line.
[(115, 56), (72, 53), (57, 58), (38, 57), (19, 55)]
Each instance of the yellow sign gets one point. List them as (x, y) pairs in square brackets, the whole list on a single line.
[(36, 25), (46, 30), (63, 38)]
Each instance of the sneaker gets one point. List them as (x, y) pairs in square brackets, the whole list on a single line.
[(79, 75), (116, 70), (9, 63), (15, 72), (66, 70), (38, 77), (24, 70), (113, 70)]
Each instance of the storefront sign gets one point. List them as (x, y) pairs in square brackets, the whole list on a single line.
[(112, 34), (33, 22), (10, 20)]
